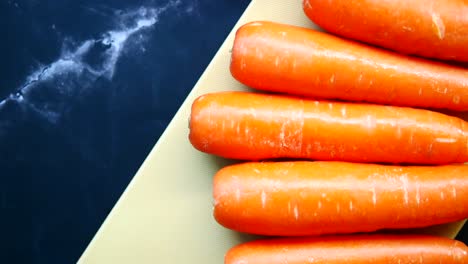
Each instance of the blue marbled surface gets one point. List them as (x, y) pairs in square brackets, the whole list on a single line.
[(86, 89)]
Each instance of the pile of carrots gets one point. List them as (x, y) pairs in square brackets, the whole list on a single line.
[(346, 136)]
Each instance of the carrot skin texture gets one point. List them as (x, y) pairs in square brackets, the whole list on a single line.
[(304, 198), (430, 28), (362, 249), (288, 59), (251, 126)]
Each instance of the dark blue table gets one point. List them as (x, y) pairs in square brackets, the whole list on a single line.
[(86, 89)]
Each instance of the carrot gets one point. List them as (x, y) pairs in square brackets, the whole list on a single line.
[(375, 249), (288, 59), (251, 126), (301, 198), (430, 28)]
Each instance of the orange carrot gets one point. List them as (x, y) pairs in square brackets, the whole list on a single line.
[(251, 126), (289, 59), (429, 28), (371, 249), (301, 198)]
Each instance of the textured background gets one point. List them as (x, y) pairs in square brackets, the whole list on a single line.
[(86, 89)]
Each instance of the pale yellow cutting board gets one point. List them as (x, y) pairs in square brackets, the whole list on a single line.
[(165, 214)]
